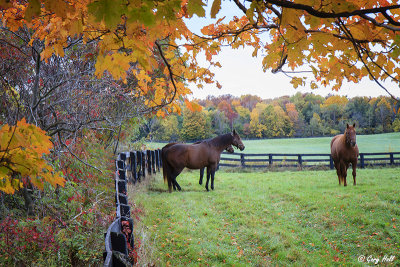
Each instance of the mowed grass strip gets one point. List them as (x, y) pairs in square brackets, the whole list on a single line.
[(388, 142), (274, 218)]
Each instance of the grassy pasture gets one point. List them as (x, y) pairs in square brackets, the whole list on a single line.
[(389, 142), (274, 218)]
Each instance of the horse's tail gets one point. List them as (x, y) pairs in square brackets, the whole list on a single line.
[(164, 164), (166, 168)]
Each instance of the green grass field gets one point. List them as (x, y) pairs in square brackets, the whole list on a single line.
[(389, 142), (270, 218)]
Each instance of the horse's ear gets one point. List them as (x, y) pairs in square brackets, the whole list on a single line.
[(354, 125), (234, 132), (347, 126)]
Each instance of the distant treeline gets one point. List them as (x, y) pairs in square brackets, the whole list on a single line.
[(301, 115)]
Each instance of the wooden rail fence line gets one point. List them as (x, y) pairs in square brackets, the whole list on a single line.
[(130, 167), (270, 160)]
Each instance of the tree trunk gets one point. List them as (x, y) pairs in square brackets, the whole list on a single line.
[(28, 202)]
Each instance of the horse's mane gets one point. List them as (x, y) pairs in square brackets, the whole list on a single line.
[(220, 140), (170, 144)]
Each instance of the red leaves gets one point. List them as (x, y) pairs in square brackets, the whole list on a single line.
[(26, 238)]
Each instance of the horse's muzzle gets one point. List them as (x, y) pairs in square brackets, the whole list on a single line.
[(241, 147)]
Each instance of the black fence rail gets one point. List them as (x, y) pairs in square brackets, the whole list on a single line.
[(301, 161), (131, 167)]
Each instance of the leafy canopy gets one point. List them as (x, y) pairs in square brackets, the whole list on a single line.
[(339, 40), (22, 150)]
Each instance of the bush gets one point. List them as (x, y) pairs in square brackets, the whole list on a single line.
[(69, 223)]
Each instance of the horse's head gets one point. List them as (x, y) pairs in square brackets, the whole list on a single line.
[(229, 149), (236, 141), (350, 134)]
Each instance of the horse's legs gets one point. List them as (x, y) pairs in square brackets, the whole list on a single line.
[(337, 167), (169, 184), (208, 177), (213, 169), (173, 178), (176, 185), (354, 165), (344, 167), (173, 184), (212, 179), (201, 175)]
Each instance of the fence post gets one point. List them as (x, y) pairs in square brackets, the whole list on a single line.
[(331, 162), (242, 160), (391, 159), (300, 160), (133, 166), (362, 160), (153, 161), (160, 157), (148, 154), (157, 159), (270, 160), (139, 163), (143, 164)]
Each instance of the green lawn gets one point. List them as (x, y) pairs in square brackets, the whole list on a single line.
[(274, 218), (389, 142)]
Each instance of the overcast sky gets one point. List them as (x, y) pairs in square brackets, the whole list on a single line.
[(242, 74)]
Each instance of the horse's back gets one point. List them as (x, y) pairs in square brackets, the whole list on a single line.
[(335, 143)]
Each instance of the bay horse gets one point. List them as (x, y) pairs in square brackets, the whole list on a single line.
[(207, 153), (229, 149), (344, 150)]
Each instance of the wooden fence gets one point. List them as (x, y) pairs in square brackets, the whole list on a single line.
[(131, 167), (301, 161)]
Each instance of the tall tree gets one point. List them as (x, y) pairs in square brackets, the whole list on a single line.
[(333, 109), (194, 125), (357, 111)]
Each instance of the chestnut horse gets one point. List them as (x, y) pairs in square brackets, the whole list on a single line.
[(344, 150), (207, 153)]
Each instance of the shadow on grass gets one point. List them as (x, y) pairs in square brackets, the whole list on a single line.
[(184, 190)]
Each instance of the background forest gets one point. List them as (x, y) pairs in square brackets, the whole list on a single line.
[(301, 115)]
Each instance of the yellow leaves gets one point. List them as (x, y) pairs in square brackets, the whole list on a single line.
[(21, 156), (291, 20), (362, 31), (59, 7), (115, 64), (196, 7), (193, 106), (215, 8), (5, 4), (296, 81), (340, 100), (33, 9), (49, 50)]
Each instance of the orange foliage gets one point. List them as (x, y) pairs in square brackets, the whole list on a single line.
[(22, 150)]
